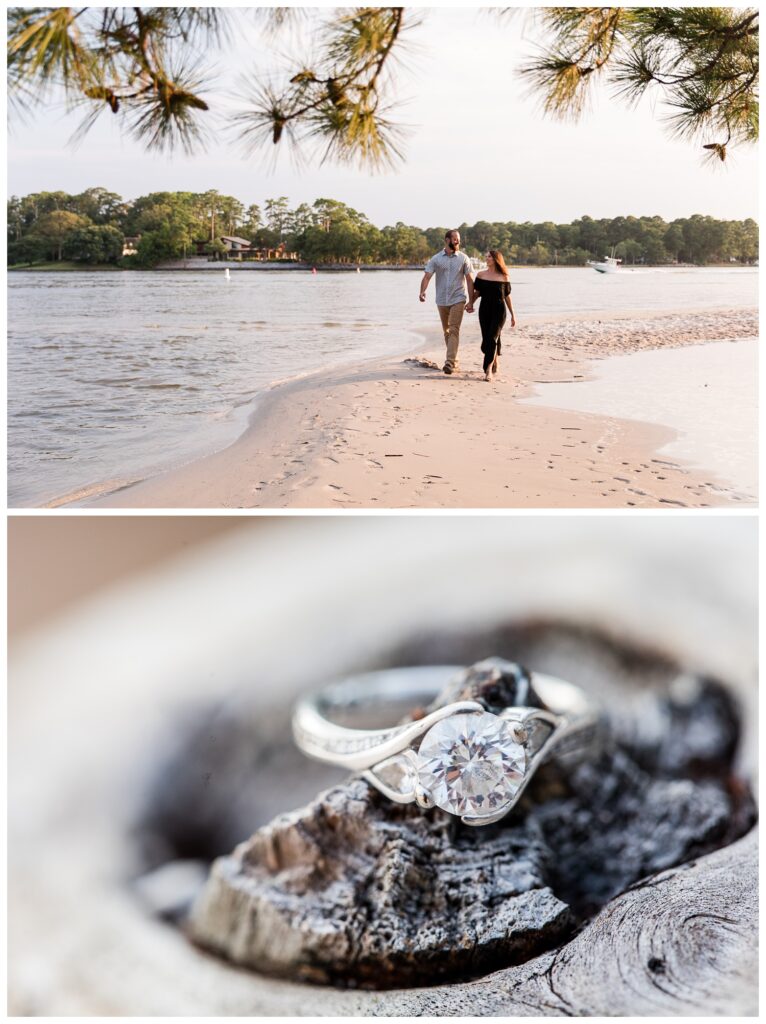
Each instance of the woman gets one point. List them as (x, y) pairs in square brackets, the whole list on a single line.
[(493, 287)]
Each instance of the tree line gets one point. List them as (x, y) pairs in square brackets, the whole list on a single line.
[(90, 228)]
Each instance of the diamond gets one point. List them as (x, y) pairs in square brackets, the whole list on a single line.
[(471, 764), (398, 774)]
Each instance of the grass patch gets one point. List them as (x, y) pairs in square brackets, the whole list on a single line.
[(64, 265)]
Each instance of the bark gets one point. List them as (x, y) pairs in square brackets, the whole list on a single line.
[(358, 891)]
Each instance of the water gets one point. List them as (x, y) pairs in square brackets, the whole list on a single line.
[(113, 375), (708, 393)]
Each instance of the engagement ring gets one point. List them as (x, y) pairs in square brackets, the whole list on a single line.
[(461, 757)]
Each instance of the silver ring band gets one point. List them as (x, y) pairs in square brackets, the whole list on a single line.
[(459, 757)]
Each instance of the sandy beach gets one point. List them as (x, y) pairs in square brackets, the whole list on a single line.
[(394, 433)]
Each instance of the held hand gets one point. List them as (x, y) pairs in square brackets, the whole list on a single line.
[(469, 308)]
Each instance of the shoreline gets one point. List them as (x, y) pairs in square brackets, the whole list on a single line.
[(396, 432), (349, 268), (706, 393)]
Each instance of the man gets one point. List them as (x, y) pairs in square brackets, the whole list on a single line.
[(452, 269)]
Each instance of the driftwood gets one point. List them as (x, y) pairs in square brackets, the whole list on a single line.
[(357, 891), (681, 943), (123, 788)]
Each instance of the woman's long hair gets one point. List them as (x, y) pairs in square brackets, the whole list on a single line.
[(497, 256)]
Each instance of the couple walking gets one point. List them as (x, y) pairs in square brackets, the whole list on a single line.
[(492, 287)]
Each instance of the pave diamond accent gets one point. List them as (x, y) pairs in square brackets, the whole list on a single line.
[(344, 744), (471, 764)]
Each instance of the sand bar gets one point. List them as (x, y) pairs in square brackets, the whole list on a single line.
[(707, 392), (390, 433)]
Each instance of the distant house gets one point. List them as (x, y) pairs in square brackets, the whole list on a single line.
[(279, 252), (235, 244), (236, 247), (130, 245), (241, 249)]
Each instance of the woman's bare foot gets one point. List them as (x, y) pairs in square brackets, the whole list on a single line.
[(487, 376)]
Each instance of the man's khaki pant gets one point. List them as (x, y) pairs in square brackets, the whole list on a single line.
[(451, 318)]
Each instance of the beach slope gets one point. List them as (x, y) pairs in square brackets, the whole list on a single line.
[(395, 433)]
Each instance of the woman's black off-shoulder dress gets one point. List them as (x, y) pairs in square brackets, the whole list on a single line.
[(491, 315)]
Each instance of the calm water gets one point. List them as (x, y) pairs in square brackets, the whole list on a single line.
[(112, 375), (709, 393)]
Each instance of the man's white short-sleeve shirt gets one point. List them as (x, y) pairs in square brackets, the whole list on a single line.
[(450, 271)]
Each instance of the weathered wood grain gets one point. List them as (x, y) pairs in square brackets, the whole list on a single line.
[(356, 890), (681, 943)]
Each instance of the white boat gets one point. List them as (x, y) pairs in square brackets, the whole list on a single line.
[(608, 265)]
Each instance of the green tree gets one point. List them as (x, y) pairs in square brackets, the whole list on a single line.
[(96, 243), (216, 250), (277, 214), (29, 249), (55, 229), (211, 207), (748, 242), (435, 239), (24, 212), (99, 205), (232, 214), (548, 234), (591, 236), (673, 240), (168, 223), (165, 243), (702, 239), (481, 236), (404, 244), (654, 252), (629, 250), (253, 220), (50, 225), (576, 257), (539, 254), (14, 219), (302, 218)]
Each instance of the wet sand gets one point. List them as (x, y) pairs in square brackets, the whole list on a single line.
[(390, 433), (707, 392)]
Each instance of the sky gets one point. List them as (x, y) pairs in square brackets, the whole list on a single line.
[(479, 147)]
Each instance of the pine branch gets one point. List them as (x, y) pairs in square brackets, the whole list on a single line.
[(336, 100), (704, 61)]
